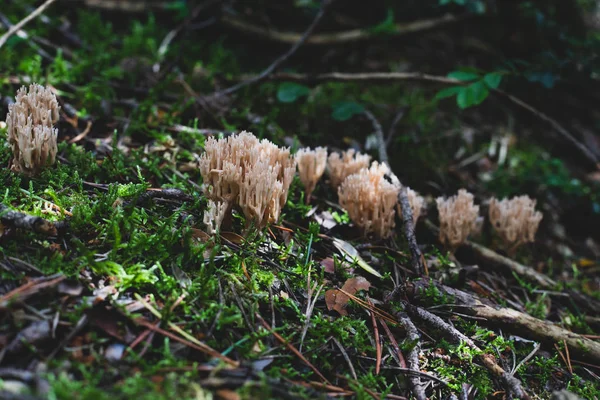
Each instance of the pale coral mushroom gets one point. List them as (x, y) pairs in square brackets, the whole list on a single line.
[(30, 127), (458, 218), (311, 165), (214, 215), (251, 174), (370, 200), (350, 162), (515, 220)]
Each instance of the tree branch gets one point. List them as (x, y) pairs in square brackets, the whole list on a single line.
[(28, 222), (15, 28), (525, 324), (284, 57), (349, 36)]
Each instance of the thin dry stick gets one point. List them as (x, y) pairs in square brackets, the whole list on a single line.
[(340, 37), (399, 356), (204, 349), (525, 324), (380, 313), (407, 216), (529, 357), (310, 306), (348, 361), (511, 383), (187, 339), (78, 327), (392, 76), (412, 335), (377, 341), (283, 58), (291, 348), (15, 28), (30, 287), (29, 222), (568, 356), (494, 258)]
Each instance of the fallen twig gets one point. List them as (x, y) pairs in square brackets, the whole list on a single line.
[(492, 257), (340, 37), (76, 329), (291, 348), (281, 59), (525, 324), (31, 287), (186, 338), (29, 222), (377, 340), (489, 361), (15, 28), (522, 270), (412, 335), (346, 357)]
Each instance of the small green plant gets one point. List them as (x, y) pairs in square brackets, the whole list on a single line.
[(475, 87)]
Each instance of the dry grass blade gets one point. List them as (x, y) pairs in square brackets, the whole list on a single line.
[(377, 341), (30, 288), (188, 341), (379, 312), (291, 348)]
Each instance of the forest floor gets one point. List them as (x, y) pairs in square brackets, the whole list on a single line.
[(118, 291)]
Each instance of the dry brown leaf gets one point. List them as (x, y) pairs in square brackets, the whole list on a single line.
[(227, 394), (328, 265), (233, 237), (338, 300)]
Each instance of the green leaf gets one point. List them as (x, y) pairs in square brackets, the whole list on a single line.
[(344, 110), (493, 79), (463, 75), (448, 92), (289, 92), (464, 98), (480, 92), (472, 95), (387, 25)]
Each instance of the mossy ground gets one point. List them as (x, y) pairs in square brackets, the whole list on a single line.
[(130, 254)]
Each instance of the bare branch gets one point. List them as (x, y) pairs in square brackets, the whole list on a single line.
[(15, 28), (349, 36)]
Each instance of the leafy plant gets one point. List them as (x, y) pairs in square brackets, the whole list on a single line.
[(473, 90), (289, 92), (344, 110)]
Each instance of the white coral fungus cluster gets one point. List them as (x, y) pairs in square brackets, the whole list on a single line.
[(458, 218), (340, 167), (251, 174), (31, 133), (370, 200), (515, 220), (311, 165)]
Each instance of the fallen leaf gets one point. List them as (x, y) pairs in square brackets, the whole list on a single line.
[(199, 235), (328, 265), (338, 300), (227, 394), (233, 237)]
